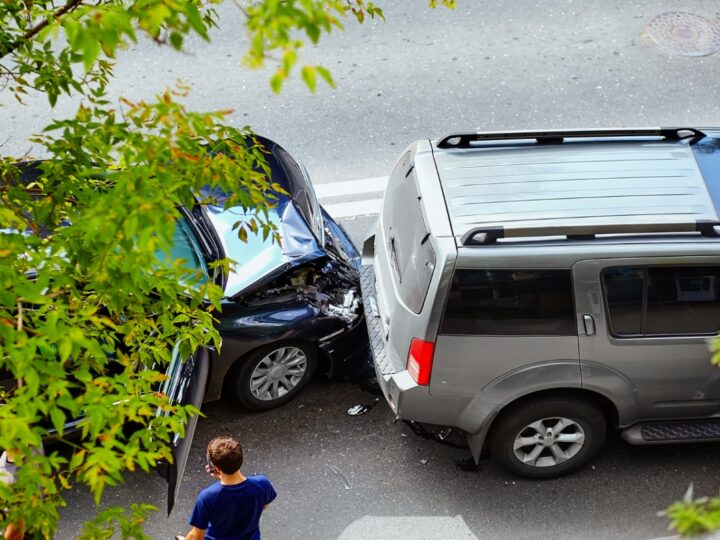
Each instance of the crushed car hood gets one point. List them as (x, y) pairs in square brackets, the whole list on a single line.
[(258, 261)]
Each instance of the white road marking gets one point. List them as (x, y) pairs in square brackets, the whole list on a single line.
[(401, 527), (353, 209), (373, 188), (351, 187)]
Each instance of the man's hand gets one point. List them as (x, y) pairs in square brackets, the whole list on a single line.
[(194, 534), (15, 531), (215, 473)]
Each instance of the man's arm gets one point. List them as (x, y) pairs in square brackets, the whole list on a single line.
[(194, 534)]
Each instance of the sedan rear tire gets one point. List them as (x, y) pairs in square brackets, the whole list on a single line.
[(272, 375)]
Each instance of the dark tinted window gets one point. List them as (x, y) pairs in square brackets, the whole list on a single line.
[(624, 291), (510, 302), (676, 300), (683, 301)]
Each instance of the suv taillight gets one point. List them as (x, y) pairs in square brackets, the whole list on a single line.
[(420, 359)]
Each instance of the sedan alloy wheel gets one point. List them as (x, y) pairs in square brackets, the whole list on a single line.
[(278, 373), (272, 375)]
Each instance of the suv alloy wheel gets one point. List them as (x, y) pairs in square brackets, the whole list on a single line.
[(548, 437)]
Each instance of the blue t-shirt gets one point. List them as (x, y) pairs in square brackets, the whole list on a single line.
[(232, 512)]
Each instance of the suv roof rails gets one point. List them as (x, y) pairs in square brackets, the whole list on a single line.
[(463, 140), (479, 236)]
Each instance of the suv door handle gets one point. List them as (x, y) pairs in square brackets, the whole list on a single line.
[(589, 323)]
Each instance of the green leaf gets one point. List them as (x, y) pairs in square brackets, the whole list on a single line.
[(326, 76), (289, 59), (195, 20), (65, 348), (58, 419), (90, 52), (309, 77), (276, 82), (176, 40), (313, 32)]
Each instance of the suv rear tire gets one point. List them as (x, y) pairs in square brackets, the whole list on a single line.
[(272, 375), (548, 437)]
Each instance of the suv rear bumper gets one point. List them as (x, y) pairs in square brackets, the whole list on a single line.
[(407, 399), (383, 369)]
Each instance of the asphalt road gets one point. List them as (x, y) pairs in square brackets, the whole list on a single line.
[(505, 64), (388, 483)]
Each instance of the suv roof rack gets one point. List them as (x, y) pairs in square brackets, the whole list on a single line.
[(463, 140), (479, 236)]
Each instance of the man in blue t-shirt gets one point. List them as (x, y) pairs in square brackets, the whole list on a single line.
[(229, 509)]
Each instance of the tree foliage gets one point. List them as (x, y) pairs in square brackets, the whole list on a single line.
[(91, 304), (694, 516)]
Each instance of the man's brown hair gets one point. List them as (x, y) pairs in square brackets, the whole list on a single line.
[(226, 454)]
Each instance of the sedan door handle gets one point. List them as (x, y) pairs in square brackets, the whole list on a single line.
[(589, 323)]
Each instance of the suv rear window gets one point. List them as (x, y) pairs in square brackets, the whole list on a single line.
[(663, 300), (411, 256), (510, 302)]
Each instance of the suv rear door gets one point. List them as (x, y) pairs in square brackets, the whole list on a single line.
[(644, 330)]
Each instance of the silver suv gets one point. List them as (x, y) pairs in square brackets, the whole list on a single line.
[(537, 288)]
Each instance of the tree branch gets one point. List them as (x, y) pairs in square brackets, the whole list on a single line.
[(32, 32)]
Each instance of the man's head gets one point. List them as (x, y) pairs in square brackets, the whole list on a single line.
[(226, 454)]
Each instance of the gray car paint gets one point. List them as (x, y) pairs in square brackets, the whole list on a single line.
[(474, 378), (671, 377)]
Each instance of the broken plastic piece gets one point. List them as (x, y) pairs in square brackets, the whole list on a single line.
[(359, 409), (340, 475)]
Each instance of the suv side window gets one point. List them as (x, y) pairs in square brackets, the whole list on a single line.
[(663, 300), (510, 302)]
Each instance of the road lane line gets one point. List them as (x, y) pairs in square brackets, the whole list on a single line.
[(351, 187), (354, 208)]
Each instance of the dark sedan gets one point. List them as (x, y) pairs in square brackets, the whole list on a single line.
[(289, 308)]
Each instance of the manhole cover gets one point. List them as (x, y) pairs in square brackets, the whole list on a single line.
[(680, 32)]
